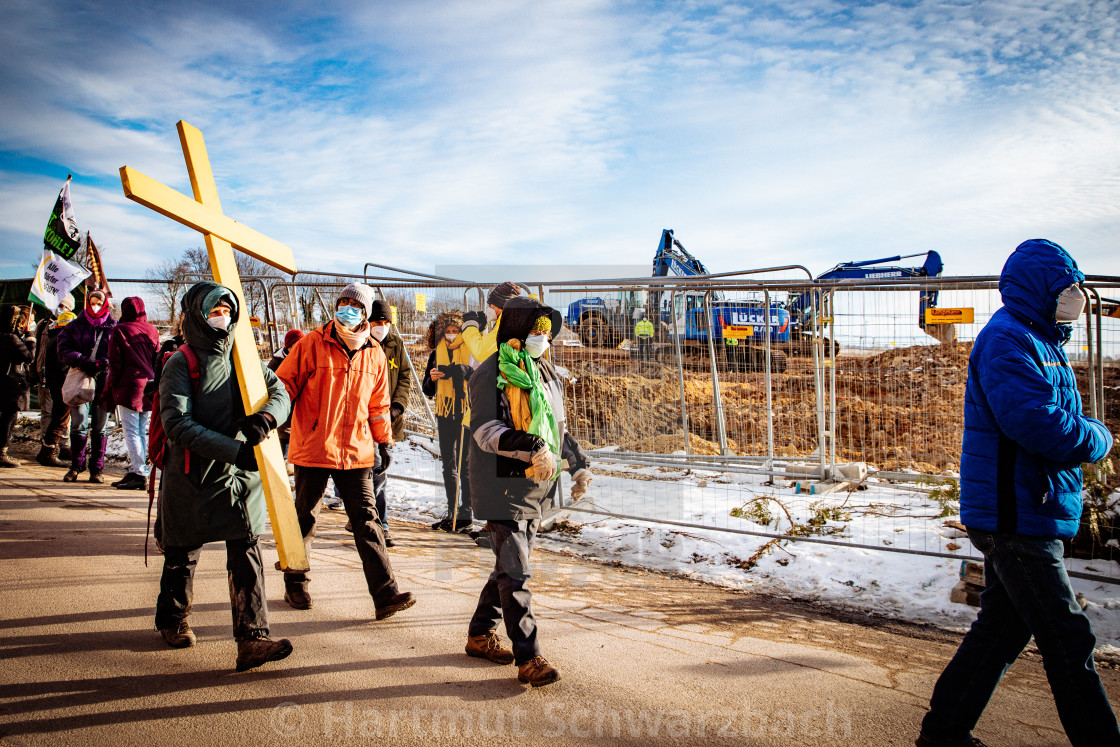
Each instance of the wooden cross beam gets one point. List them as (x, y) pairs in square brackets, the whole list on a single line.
[(204, 214)]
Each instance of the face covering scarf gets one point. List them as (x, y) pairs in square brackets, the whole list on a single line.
[(1071, 302), (529, 407), (356, 339)]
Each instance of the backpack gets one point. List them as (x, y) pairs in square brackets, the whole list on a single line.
[(157, 436)]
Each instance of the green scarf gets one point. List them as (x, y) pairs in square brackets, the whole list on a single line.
[(543, 423)]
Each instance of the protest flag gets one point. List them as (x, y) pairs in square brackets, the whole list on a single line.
[(57, 275)]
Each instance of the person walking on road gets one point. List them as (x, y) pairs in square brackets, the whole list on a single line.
[(211, 490), (1025, 440), (518, 440), (55, 451), (445, 377), (48, 454), (15, 355), (132, 349), (338, 379), (84, 344), (400, 386)]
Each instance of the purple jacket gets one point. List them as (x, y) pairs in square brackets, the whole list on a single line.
[(76, 340), (132, 348)]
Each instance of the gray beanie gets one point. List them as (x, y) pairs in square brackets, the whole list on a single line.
[(361, 293)]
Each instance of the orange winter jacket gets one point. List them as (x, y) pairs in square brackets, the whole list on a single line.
[(340, 405)]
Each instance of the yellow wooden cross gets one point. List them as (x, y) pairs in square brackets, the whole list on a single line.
[(204, 214)]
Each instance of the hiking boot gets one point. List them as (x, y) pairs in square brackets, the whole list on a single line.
[(537, 672), (180, 637), (252, 652), (970, 742), (71, 476), (350, 526), (7, 461), (389, 541), (463, 525), (297, 598), (489, 646), (48, 457), (95, 476), (397, 602), (443, 525), (131, 481)]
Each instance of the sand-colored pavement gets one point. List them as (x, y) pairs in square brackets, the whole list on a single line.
[(645, 659)]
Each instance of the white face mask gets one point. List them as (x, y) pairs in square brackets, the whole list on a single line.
[(221, 321), (95, 307), (535, 345), (450, 338), (1071, 302), (379, 331), (491, 315)]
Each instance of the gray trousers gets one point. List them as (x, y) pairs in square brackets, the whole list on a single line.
[(506, 595)]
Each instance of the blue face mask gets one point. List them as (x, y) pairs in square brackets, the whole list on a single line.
[(348, 316)]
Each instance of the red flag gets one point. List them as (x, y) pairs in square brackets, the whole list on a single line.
[(97, 279)]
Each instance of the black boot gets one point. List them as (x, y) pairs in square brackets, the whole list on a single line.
[(252, 652)]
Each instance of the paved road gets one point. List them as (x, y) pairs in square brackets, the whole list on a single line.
[(645, 659)]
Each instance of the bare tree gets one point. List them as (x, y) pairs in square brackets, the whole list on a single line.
[(169, 280)]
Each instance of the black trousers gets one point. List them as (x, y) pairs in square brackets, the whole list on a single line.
[(506, 595), (246, 587), (355, 488), (454, 440), (59, 424)]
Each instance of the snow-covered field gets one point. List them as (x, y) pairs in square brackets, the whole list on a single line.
[(902, 586)]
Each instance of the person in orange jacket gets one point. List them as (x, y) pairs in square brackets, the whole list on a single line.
[(338, 381)]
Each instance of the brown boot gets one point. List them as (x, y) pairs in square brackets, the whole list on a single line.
[(252, 652), (180, 637), (297, 598), (70, 476), (537, 672), (48, 457), (7, 461), (95, 476), (489, 646), (396, 603)]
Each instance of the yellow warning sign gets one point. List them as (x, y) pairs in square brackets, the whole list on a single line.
[(421, 303), (393, 314), (738, 333), (254, 321), (948, 316)]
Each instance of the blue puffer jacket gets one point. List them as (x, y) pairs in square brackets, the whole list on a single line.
[(1024, 435)]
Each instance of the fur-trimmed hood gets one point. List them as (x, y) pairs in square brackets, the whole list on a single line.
[(440, 324)]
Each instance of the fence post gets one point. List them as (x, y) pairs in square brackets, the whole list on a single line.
[(831, 357), (680, 371), (1089, 361), (717, 400), (769, 385), (816, 340), (415, 378)]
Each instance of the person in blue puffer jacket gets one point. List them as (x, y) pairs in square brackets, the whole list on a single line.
[(1025, 440)]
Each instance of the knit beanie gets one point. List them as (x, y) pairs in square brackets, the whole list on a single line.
[(292, 337), (503, 293), (67, 303), (361, 293), (379, 311)]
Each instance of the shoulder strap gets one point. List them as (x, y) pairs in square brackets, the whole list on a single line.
[(192, 364)]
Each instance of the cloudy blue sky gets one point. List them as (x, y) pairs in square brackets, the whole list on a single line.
[(544, 131)]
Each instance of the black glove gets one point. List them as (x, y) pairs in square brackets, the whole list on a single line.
[(89, 367), (246, 459), (255, 427), (478, 317), (395, 411), (386, 460)]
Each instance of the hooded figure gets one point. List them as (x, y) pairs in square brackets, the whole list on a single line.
[(211, 489), (517, 424), (132, 350), (84, 344), (1024, 435), (1024, 442), (14, 357)]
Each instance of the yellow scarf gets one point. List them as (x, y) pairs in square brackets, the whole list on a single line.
[(445, 389)]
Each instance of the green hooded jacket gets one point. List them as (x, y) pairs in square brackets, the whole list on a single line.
[(400, 377), (212, 500)]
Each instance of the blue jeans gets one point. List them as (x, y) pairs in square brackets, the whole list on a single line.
[(88, 423), (1026, 592), (135, 425)]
